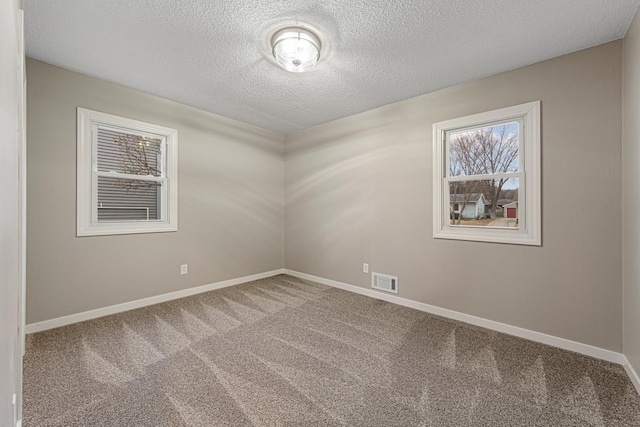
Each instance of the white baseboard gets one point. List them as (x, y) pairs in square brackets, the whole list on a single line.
[(586, 349), (635, 378), (118, 308)]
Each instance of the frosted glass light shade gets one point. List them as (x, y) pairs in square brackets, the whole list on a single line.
[(296, 49)]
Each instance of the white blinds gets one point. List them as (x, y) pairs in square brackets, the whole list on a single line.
[(129, 199)]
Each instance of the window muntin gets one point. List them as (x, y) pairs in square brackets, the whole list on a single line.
[(487, 176), (127, 175)]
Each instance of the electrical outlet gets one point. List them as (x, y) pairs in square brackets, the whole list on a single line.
[(365, 268), (184, 269)]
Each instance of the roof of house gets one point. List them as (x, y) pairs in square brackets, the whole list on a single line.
[(461, 198), (512, 205), (500, 202)]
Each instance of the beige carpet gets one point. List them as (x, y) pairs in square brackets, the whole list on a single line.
[(287, 352)]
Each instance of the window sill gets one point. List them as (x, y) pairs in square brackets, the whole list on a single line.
[(115, 229), (489, 236)]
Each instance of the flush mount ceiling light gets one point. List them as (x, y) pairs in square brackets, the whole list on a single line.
[(296, 49)]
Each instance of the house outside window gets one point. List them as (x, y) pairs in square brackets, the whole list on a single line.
[(127, 176), (474, 206), (487, 176)]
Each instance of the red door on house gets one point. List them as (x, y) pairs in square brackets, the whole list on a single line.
[(512, 212)]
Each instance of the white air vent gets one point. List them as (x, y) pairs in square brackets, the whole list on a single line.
[(384, 282)]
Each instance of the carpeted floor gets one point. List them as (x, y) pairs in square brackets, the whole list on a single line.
[(287, 352)]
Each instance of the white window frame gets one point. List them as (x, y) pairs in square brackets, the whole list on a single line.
[(87, 174), (529, 231)]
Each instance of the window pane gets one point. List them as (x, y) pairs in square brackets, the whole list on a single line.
[(484, 203), (127, 153), (128, 200), (485, 150)]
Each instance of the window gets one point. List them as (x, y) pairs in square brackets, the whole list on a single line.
[(127, 176), (487, 176)]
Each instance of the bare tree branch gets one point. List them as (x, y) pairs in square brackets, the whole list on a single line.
[(139, 157)]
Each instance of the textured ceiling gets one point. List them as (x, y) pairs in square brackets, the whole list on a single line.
[(215, 55)]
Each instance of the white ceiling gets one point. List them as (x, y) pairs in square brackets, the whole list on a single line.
[(215, 54)]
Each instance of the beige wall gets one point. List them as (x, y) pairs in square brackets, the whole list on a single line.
[(631, 196), (356, 190), (359, 190), (230, 201)]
